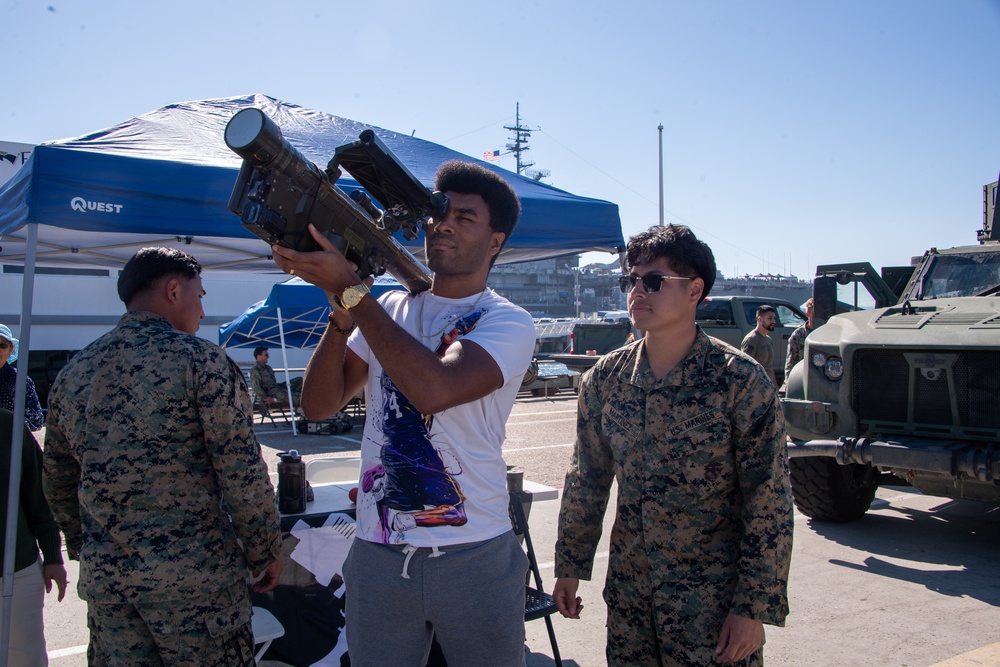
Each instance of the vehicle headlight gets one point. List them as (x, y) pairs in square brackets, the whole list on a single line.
[(834, 368)]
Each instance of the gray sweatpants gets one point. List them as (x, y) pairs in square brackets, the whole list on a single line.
[(469, 596)]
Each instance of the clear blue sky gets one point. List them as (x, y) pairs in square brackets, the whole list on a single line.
[(795, 132)]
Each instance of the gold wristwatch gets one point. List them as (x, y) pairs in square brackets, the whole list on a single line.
[(352, 296)]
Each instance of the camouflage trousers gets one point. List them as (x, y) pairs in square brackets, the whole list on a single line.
[(207, 630), (678, 627), (280, 391)]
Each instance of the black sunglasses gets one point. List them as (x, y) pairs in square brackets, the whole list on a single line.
[(651, 282)]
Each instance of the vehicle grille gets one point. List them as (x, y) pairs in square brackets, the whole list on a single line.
[(966, 406)]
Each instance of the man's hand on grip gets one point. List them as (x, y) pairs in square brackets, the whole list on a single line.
[(327, 269)]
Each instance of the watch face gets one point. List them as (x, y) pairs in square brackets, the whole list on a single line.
[(352, 295)]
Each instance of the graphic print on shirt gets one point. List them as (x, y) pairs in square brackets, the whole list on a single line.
[(415, 484)]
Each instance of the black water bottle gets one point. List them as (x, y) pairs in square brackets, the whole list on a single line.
[(291, 483)]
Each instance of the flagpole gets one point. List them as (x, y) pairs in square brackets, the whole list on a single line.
[(660, 128)]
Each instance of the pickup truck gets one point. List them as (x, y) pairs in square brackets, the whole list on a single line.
[(561, 352), (730, 318)]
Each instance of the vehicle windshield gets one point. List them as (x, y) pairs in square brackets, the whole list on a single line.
[(960, 275)]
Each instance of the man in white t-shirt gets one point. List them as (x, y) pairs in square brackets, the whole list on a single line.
[(434, 554)]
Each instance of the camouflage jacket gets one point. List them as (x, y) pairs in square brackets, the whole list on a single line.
[(796, 348), (703, 490), (263, 383), (152, 468)]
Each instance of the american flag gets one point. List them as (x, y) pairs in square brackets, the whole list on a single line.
[(491, 156)]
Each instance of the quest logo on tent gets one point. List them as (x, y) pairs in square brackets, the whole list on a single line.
[(82, 205)]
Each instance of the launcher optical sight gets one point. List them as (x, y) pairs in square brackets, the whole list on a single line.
[(279, 193)]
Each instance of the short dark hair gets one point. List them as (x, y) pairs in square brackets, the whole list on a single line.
[(257, 351), (765, 309), (685, 253), (474, 179), (149, 265)]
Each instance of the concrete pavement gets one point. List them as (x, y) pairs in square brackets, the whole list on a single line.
[(913, 584)]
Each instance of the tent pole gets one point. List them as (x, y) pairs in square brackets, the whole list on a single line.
[(288, 382), (17, 434)]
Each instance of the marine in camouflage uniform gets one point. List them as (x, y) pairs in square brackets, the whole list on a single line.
[(703, 529), (264, 384), (797, 341), (155, 476), (796, 348)]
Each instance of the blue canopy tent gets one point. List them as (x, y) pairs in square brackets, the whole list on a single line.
[(164, 178), (293, 315)]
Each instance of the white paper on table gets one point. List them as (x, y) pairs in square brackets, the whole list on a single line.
[(322, 550)]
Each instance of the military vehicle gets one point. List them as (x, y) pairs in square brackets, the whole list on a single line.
[(908, 389)]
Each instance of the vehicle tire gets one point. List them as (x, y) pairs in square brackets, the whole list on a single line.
[(531, 374), (826, 491)]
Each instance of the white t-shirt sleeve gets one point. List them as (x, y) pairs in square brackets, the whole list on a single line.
[(507, 333)]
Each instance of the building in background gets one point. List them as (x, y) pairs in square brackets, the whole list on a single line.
[(552, 287)]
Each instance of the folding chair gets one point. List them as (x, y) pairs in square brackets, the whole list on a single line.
[(264, 409), (261, 408), (266, 628), (537, 603)]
